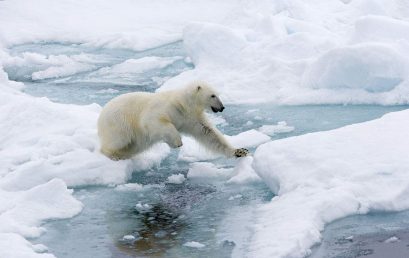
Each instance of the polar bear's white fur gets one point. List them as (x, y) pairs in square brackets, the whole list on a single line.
[(132, 122)]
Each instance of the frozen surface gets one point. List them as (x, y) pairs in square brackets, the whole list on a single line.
[(352, 170), (216, 207), (280, 127), (121, 24), (194, 244), (290, 52), (113, 71), (212, 185), (285, 52), (176, 179), (259, 55)]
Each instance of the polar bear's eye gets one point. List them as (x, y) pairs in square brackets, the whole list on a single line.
[(213, 96)]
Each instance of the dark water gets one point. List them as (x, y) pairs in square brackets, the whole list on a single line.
[(369, 236)]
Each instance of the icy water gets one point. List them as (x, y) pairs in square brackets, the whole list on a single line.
[(379, 235), (210, 212)]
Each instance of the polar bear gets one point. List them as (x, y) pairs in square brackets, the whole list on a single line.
[(132, 122)]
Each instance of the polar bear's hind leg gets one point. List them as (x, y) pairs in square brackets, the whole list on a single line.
[(125, 152)]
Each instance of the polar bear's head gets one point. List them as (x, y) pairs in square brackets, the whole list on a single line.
[(208, 98)]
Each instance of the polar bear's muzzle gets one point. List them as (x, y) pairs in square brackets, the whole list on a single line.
[(216, 105), (215, 110)]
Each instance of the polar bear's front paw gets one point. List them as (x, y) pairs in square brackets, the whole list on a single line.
[(241, 152), (176, 143)]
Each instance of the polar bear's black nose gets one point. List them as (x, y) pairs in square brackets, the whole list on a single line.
[(221, 109)]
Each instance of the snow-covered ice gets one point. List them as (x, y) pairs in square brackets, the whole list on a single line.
[(22, 213), (129, 70), (280, 127), (194, 244), (243, 173), (143, 207), (206, 170), (45, 148), (128, 238), (277, 52), (393, 239), (259, 51), (130, 187), (324, 176), (297, 53), (193, 151), (176, 179)]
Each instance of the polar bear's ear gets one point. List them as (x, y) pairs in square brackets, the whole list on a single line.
[(199, 87)]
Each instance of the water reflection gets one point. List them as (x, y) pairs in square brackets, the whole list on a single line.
[(158, 233), (161, 225)]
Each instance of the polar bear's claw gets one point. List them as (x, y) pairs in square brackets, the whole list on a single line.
[(241, 153)]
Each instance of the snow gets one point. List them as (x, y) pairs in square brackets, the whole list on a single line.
[(176, 179), (129, 70), (237, 196), (290, 52), (142, 64), (128, 238), (61, 142), (393, 239), (123, 24), (368, 66), (280, 52), (206, 170), (193, 151), (329, 175), (109, 91), (143, 207), (243, 173), (280, 127), (40, 248), (46, 147), (256, 51), (194, 244), (22, 213), (135, 187), (51, 66), (14, 245), (248, 139)]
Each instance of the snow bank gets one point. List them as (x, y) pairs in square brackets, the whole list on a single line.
[(324, 176), (22, 213), (243, 173), (45, 147), (13, 245), (380, 29), (253, 52), (51, 66), (120, 24), (290, 52), (58, 141), (372, 67)]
